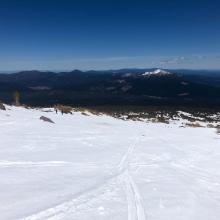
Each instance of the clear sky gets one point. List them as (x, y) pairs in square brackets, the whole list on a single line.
[(109, 34)]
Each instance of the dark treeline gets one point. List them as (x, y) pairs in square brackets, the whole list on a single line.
[(113, 88)]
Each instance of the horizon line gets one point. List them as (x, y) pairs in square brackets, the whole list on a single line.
[(111, 69)]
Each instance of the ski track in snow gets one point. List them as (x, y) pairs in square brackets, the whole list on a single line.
[(135, 207), (58, 212), (31, 163), (177, 171), (27, 164), (66, 208)]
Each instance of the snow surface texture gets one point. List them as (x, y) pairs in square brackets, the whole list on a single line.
[(97, 167)]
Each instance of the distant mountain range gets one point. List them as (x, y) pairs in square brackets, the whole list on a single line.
[(114, 87)]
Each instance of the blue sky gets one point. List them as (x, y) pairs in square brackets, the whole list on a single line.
[(95, 34)]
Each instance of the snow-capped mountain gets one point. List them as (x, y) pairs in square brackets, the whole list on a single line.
[(101, 88), (158, 72)]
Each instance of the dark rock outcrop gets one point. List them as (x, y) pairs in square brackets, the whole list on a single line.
[(2, 107), (43, 118)]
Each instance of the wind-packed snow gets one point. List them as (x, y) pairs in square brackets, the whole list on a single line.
[(97, 167)]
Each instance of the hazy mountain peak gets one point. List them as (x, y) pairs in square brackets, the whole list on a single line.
[(159, 72)]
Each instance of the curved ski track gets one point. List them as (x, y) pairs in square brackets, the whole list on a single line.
[(135, 207)]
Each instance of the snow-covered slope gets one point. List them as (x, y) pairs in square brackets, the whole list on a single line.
[(157, 72), (97, 167)]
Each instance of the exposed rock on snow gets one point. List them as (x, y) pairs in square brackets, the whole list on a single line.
[(43, 118), (218, 129), (2, 107)]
